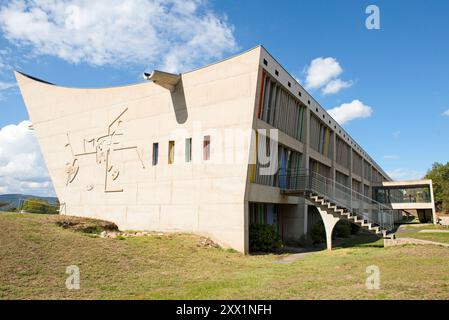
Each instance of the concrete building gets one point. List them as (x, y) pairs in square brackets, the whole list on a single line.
[(415, 196), (184, 152)]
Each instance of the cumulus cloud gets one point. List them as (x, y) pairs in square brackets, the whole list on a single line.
[(350, 111), (335, 86), (405, 174), (173, 35), (446, 113), (6, 85), (22, 169), (323, 73)]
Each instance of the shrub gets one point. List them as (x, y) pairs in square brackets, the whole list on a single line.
[(305, 241), (342, 229), (263, 238), (354, 228), (39, 206), (85, 225), (318, 233)]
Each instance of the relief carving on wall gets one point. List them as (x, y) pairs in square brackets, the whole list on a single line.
[(103, 147)]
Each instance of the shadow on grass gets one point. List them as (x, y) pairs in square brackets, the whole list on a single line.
[(362, 240)]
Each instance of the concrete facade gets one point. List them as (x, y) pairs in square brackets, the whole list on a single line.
[(423, 207), (98, 145)]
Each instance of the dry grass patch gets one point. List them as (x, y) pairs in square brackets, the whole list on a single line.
[(34, 254)]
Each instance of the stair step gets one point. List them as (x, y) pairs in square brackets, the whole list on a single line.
[(367, 225), (341, 212)]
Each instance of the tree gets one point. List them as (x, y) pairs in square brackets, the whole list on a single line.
[(3, 204), (440, 178), (39, 206)]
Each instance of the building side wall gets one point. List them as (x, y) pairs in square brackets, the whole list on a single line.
[(325, 147), (98, 147)]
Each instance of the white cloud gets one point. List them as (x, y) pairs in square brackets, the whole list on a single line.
[(22, 169), (323, 73), (173, 35), (335, 86), (350, 111), (6, 85), (391, 157), (404, 174), (446, 113)]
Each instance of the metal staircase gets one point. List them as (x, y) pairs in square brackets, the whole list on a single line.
[(338, 200)]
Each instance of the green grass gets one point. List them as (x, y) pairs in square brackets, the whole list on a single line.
[(425, 227), (437, 237), (34, 254), (412, 231)]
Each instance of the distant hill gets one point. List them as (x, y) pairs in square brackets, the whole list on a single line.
[(14, 200)]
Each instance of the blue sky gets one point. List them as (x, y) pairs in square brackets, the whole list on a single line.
[(400, 72)]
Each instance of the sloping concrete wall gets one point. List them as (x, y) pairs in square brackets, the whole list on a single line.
[(97, 144)]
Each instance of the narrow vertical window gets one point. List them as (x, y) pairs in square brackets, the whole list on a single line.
[(171, 152), (155, 153), (188, 149), (206, 148)]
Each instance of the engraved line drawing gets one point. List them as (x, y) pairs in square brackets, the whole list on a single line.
[(102, 147)]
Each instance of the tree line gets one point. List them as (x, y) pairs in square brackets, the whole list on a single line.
[(439, 173)]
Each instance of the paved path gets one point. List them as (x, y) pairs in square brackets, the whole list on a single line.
[(403, 241), (402, 238), (433, 231), (415, 229), (295, 257)]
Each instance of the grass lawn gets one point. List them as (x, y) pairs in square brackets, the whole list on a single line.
[(417, 227), (34, 254), (437, 237), (412, 231)]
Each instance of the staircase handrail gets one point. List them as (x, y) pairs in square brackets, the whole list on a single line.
[(309, 176)]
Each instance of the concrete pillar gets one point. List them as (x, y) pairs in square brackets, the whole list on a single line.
[(329, 223), (334, 157), (305, 165), (434, 215)]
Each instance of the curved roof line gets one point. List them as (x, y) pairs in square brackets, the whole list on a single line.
[(137, 83), (80, 88), (34, 78)]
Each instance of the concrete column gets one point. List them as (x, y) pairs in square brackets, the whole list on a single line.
[(334, 154), (434, 215), (350, 175), (329, 223), (334, 157), (305, 165), (246, 227)]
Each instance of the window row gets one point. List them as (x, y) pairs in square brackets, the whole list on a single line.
[(263, 213), (275, 172), (357, 163), (281, 109), (321, 139), (319, 168), (188, 150), (343, 153), (367, 170), (342, 178), (376, 176)]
